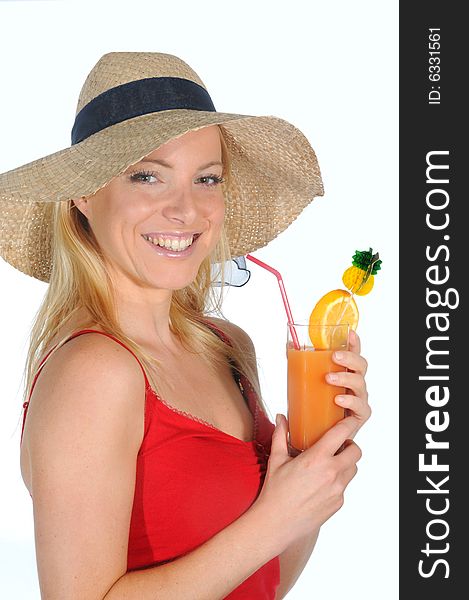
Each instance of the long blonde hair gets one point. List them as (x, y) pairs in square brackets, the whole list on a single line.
[(80, 280)]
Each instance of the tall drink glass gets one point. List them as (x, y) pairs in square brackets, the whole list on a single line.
[(311, 407)]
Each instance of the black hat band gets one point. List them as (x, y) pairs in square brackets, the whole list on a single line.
[(137, 98)]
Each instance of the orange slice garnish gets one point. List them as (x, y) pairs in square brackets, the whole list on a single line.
[(334, 308)]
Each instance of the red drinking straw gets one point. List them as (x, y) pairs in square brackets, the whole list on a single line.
[(296, 343)]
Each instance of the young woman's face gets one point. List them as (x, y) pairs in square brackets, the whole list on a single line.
[(172, 196)]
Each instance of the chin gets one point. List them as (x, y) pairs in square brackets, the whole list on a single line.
[(174, 280)]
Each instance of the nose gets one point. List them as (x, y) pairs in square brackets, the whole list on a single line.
[(181, 207)]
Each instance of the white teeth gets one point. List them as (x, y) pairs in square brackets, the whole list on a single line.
[(171, 244)]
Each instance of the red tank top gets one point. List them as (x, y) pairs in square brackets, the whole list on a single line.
[(192, 481)]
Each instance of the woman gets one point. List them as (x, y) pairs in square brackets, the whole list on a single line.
[(153, 468)]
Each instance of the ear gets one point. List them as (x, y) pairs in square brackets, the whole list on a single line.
[(83, 205)]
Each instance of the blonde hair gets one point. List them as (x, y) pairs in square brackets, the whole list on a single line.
[(80, 280)]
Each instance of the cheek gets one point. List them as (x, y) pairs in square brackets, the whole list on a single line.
[(219, 218), (123, 210), (217, 215)]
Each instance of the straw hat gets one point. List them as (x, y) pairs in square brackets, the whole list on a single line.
[(130, 104)]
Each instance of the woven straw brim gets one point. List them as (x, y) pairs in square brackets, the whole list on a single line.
[(274, 176)]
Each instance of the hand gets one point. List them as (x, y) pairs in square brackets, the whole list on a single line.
[(355, 401), (300, 494)]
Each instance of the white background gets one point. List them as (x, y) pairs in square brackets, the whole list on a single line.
[(330, 68)]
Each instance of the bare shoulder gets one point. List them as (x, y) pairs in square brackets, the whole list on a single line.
[(234, 332), (244, 345), (91, 377)]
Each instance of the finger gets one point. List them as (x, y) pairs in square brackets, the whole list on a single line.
[(351, 360), (348, 475), (333, 439), (358, 405), (350, 455), (351, 381), (279, 447), (354, 342)]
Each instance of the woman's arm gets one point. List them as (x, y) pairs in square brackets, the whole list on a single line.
[(292, 562), (211, 571)]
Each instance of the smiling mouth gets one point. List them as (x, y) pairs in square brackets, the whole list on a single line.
[(175, 244)]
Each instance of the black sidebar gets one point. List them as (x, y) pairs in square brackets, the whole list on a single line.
[(434, 320)]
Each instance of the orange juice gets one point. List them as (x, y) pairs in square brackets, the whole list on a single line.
[(311, 407)]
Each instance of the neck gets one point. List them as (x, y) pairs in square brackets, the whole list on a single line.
[(145, 317), (143, 314)]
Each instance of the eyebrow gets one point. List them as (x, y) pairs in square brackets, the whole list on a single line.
[(168, 166)]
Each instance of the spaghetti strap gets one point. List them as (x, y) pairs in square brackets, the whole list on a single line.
[(77, 333), (217, 331), (73, 335)]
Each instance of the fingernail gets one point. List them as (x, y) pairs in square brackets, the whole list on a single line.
[(339, 355), (332, 377), (340, 399), (277, 419)]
